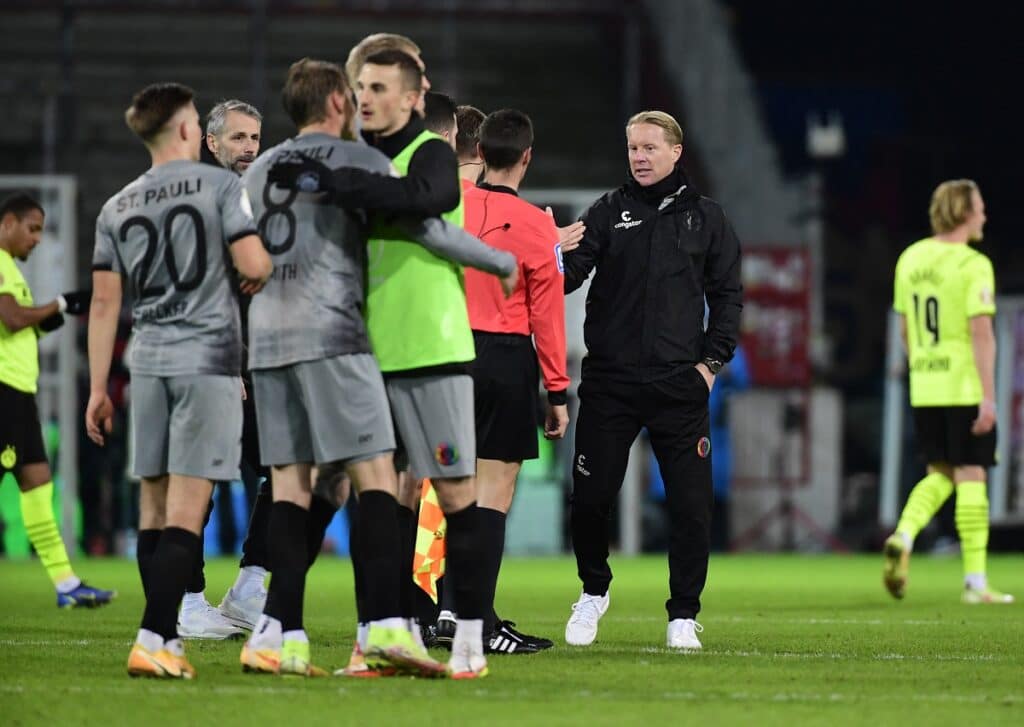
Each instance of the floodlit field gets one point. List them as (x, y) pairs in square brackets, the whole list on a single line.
[(788, 640)]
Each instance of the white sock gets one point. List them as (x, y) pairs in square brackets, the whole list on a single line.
[(391, 623), (69, 584), (267, 632), (249, 581), (151, 642), (175, 646), (469, 632), (361, 631), (295, 635), (907, 540), (193, 600), (976, 581)]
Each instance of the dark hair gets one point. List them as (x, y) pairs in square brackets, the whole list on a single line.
[(19, 204), (153, 107), (306, 88), (412, 76), (439, 115), (504, 136), (469, 119)]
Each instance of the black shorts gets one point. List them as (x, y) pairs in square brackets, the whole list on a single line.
[(505, 379), (21, 435), (944, 436)]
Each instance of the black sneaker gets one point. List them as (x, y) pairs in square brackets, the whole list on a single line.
[(506, 640), (444, 632)]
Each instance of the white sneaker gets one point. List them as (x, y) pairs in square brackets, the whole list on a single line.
[(586, 613), (243, 612), (682, 634), (205, 622)]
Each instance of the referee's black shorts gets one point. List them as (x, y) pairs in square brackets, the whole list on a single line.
[(944, 436), (505, 379), (21, 436)]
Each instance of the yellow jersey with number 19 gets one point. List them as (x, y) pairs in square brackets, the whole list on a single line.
[(939, 287)]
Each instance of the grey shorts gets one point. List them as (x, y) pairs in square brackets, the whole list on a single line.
[(187, 425), (434, 418), (322, 411)]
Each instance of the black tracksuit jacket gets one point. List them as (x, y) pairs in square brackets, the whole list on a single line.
[(659, 251)]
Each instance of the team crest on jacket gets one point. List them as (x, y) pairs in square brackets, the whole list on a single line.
[(693, 219), (703, 447), (9, 457), (446, 454)]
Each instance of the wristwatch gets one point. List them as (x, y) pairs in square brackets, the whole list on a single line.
[(714, 365)]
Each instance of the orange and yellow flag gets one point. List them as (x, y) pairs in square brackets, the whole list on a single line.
[(428, 563)]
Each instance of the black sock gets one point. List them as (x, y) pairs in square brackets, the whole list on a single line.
[(321, 512), (468, 561), (492, 543), (446, 590), (173, 560), (379, 555), (145, 549), (288, 562), (407, 540), (254, 549), (355, 553)]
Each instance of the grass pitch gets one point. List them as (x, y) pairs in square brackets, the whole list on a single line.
[(788, 640)]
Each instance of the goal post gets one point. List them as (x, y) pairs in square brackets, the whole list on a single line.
[(51, 269)]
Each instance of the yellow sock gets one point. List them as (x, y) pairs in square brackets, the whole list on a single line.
[(972, 525), (925, 500), (37, 513)]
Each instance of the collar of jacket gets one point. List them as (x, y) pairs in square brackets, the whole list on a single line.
[(663, 193), (498, 188), (392, 145)]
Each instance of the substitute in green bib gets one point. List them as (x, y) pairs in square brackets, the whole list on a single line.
[(945, 297), (21, 440)]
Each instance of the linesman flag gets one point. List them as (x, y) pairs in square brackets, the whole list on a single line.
[(428, 563)]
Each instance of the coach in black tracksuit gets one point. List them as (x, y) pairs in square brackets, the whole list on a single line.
[(660, 249)]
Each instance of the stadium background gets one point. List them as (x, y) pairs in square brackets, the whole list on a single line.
[(821, 127)]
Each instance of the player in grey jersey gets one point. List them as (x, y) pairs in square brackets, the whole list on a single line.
[(319, 393), (168, 234)]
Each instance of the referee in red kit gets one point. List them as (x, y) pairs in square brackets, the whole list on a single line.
[(505, 372)]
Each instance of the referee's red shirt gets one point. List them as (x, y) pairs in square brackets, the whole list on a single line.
[(537, 306)]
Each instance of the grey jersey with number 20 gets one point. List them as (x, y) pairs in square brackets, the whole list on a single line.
[(312, 307), (168, 233)]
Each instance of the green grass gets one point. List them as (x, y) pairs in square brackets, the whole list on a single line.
[(788, 640)]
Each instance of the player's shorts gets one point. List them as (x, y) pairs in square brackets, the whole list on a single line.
[(187, 425), (944, 435), (21, 436), (505, 376), (322, 411), (434, 422)]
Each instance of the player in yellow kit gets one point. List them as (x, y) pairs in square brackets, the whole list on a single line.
[(945, 295), (22, 453)]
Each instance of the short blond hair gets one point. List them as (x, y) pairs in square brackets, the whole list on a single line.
[(673, 131), (373, 44), (951, 204)]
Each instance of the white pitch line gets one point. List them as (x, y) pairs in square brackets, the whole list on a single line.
[(835, 656)]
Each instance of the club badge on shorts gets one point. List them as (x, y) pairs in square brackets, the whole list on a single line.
[(446, 454), (703, 447), (9, 457)]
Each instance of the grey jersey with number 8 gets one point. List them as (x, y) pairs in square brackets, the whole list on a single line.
[(168, 233), (312, 307)]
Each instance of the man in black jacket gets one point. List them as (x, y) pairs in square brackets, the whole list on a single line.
[(660, 249)]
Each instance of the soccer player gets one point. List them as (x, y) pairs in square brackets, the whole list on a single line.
[(660, 250), (22, 451), (170, 233), (467, 136), (505, 371), (320, 396), (420, 331), (945, 296), (233, 139)]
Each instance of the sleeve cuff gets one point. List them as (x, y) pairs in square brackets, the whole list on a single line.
[(558, 398), (239, 235)]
